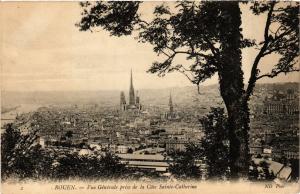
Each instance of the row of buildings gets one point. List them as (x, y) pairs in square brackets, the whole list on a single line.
[(281, 103), (275, 123)]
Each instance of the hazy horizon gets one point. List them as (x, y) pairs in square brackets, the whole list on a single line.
[(143, 89), (140, 89)]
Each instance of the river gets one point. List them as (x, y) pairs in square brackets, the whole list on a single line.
[(10, 116)]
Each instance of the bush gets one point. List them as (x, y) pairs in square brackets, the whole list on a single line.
[(215, 143), (22, 157), (184, 164)]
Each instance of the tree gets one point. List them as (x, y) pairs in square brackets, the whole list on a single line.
[(209, 35), (68, 137), (295, 169), (72, 165), (9, 139), (21, 156), (184, 165), (130, 151), (213, 150), (215, 143), (69, 134), (253, 171), (281, 38)]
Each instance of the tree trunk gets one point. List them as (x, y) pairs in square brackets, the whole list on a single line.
[(232, 90)]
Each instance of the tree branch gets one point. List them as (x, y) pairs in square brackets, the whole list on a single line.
[(253, 75), (183, 72), (284, 46), (142, 21), (213, 49), (165, 53), (192, 54), (275, 73), (189, 53)]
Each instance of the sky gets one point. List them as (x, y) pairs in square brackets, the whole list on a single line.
[(42, 50)]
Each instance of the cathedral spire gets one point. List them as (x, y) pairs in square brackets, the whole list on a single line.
[(131, 91), (131, 84), (170, 103)]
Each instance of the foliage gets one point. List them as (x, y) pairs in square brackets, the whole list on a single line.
[(184, 164), (295, 169), (253, 171), (266, 174), (23, 158), (69, 134), (216, 143), (130, 151), (261, 171), (212, 151), (20, 155), (117, 17), (281, 38), (8, 141), (71, 165)]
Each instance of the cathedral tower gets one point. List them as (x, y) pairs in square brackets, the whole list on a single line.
[(122, 101), (133, 104)]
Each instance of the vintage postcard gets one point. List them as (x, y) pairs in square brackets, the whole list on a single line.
[(149, 97)]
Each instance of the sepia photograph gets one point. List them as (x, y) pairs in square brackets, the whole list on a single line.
[(149, 97)]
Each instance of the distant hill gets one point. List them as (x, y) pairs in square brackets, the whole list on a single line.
[(182, 96)]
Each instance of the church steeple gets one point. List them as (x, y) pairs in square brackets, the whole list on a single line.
[(131, 84), (171, 103), (131, 91)]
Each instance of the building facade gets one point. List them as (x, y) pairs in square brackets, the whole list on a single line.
[(282, 103)]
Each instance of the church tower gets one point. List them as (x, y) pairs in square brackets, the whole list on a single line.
[(122, 101), (131, 92)]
